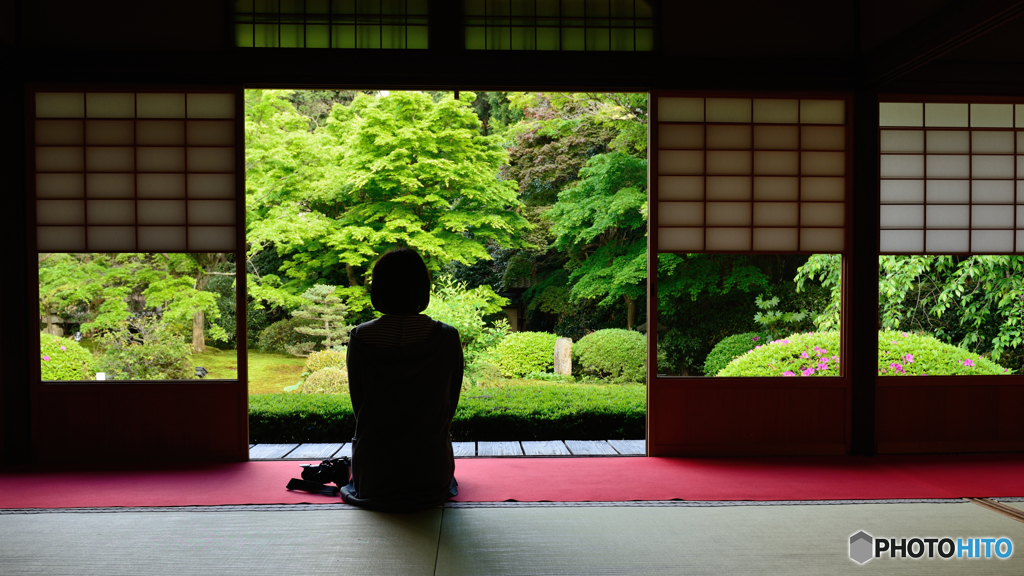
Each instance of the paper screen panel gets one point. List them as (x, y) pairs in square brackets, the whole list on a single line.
[(749, 174), (315, 24), (950, 177), (116, 171)]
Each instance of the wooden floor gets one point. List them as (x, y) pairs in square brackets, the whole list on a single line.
[(462, 449)]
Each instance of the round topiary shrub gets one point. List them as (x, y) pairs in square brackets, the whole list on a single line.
[(731, 347), (280, 335), (63, 359), (899, 354), (325, 359), (330, 380), (612, 353), (520, 353)]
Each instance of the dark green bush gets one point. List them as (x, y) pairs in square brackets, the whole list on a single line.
[(63, 359), (280, 335), (150, 350), (612, 353), (520, 353), (542, 412), (732, 347)]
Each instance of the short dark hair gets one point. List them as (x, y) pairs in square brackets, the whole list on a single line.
[(400, 283)]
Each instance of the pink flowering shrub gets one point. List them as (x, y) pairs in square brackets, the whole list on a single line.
[(797, 355), (64, 359)]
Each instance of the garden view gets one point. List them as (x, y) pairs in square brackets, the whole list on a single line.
[(530, 210)]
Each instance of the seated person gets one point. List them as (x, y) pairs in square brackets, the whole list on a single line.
[(405, 376)]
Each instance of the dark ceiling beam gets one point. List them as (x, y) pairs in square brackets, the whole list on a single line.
[(949, 27)]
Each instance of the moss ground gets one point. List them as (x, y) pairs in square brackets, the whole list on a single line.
[(268, 373)]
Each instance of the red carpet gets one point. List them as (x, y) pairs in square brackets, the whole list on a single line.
[(549, 479)]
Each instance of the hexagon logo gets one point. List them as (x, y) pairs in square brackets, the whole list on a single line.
[(861, 547)]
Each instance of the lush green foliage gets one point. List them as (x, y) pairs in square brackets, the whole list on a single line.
[(542, 412), (281, 335), (329, 380), (63, 359), (325, 358), (808, 354), (465, 310), (908, 354), (775, 322), (613, 353), (521, 353), (325, 316), (145, 349), (732, 347)]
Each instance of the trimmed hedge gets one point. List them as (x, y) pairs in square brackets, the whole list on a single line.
[(731, 347), (521, 353), (612, 353), (329, 380), (542, 412), (63, 359)]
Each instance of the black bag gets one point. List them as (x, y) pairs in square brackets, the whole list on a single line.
[(316, 476)]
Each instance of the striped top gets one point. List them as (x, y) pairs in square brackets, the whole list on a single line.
[(396, 330)]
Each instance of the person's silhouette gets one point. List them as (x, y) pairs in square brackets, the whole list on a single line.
[(405, 376)]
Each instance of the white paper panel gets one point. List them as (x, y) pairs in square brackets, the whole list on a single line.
[(947, 241), (60, 159), (992, 192), (57, 132), (727, 109), (1020, 136), (776, 111), (1020, 219), (821, 239), (895, 216), (943, 141), (900, 114), (679, 162), (771, 163), (822, 111), (687, 136), (776, 214), (211, 212), (161, 185), (901, 241), (948, 191), (58, 105), (1019, 114), (945, 114), (728, 213), (160, 132), (902, 141), (60, 186), (110, 159), (110, 185), (211, 239), (902, 166), (987, 142), (991, 115), (110, 132), (992, 216), (729, 137), (776, 239), (111, 238), (948, 166), (60, 212), (729, 187), (60, 239), (680, 213), (822, 163), (161, 212), (110, 212), (680, 109), (109, 105), (947, 216), (728, 162), (161, 105), (1020, 191), (776, 188), (776, 138), (161, 159), (902, 191), (729, 239), (991, 241), (1020, 240), (1020, 166), (992, 166), (213, 186), (211, 105), (669, 188), (680, 239), (828, 189), (162, 238), (823, 138), (821, 214)]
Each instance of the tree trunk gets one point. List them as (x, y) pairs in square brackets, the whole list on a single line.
[(198, 339), (630, 312), (352, 281)]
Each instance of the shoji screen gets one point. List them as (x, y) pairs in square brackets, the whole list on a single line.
[(136, 172), (751, 174), (950, 178)]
